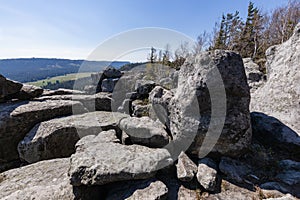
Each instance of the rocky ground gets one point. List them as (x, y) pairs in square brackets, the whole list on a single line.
[(142, 135)]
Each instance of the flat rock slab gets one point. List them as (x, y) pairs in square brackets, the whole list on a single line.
[(145, 131), (56, 138), (16, 119), (145, 189), (61, 91), (96, 102), (42, 180), (97, 163)]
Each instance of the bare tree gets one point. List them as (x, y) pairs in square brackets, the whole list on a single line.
[(152, 56), (201, 43)]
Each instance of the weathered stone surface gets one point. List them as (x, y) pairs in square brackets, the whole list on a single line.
[(160, 99), (97, 163), (8, 87), (145, 131), (285, 197), (144, 87), (207, 174), (56, 138), (273, 133), (255, 77), (99, 102), (231, 191), (108, 84), (42, 180), (289, 177), (186, 168), (279, 97), (61, 91), (274, 186), (28, 92), (212, 88), (16, 119), (146, 189), (140, 108), (233, 169)]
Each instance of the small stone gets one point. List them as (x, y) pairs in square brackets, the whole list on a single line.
[(207, 174), (186, 168)]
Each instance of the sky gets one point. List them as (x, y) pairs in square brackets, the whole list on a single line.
[(76, 29)]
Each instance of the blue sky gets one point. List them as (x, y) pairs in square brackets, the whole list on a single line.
[(74, 29)]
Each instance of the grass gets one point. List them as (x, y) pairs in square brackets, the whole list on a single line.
[(63, 78)]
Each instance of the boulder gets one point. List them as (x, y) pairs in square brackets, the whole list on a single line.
[(28, 92), (99, 102), (145, 131), (8, 87), (42, 180), (56, 138), (17, 118), (279, 97), (273, 133), (233, 169), (91, 165), (144, 87), (186, 168), (255, 77), (210, 108), (144, 189), (108, 84), (111, 72), (207, 174)]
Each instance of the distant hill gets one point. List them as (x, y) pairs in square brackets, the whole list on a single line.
[(33, 69)]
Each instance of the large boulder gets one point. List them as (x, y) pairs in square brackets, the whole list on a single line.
[(56, 138), (8, 88), (212, 92), (279, 97), (98, 162), (16, 119), (272, 133), (42, 180), (145, 131)]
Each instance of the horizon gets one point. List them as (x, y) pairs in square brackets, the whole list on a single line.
[(49, 30)]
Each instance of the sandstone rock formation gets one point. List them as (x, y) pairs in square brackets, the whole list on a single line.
[(145, 131), (201, 101), (16, 119), (98, 162), (279, 97), (42, 180), (56, 138)]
